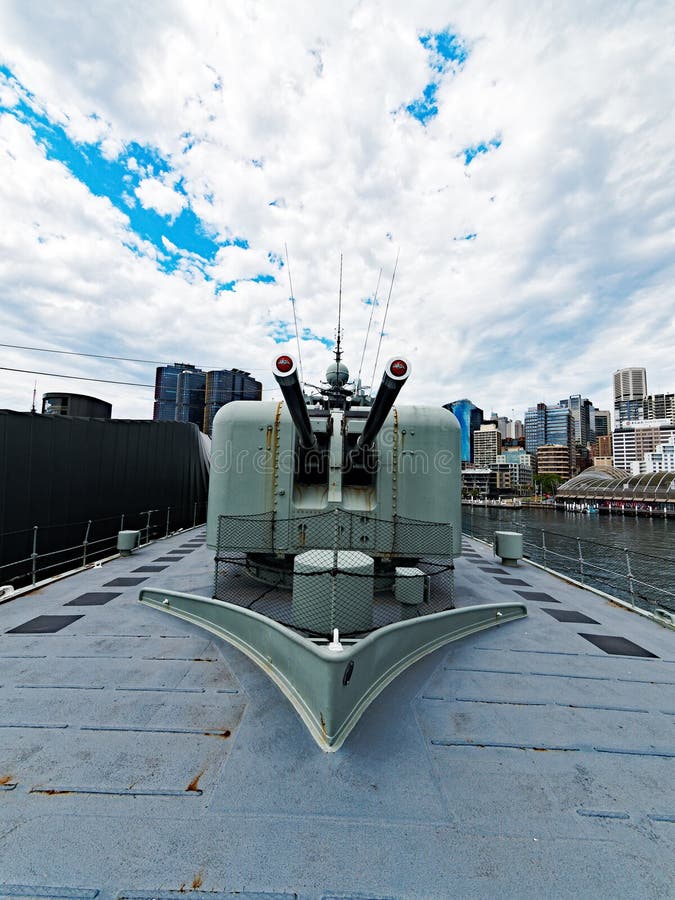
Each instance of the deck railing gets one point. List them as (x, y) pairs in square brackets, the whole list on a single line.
[(642, 579), (99, 540)]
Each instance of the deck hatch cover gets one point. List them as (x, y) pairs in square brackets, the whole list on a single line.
[(617, 646), (539, 596), (515, 581), (570, 615), (94, 598), (150, 569), (124, 582), (44, 625)]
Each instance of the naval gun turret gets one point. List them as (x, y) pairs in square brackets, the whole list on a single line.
[(335, 519)]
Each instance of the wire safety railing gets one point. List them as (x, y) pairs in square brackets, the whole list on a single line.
[(99, 540), (639, 578), (336, 569)]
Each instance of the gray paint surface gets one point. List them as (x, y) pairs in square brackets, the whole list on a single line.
[(521, 762)]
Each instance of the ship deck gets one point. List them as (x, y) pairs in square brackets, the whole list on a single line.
[(141, 757)]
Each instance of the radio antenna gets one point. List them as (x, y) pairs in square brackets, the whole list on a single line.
[(384, 320), (338, 350), (370, 322), (295, 318)]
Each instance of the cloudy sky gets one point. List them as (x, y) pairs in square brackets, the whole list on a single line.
[(156, 159)]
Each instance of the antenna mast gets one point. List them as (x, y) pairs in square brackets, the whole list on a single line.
[(295, 318), (338, 349), (384, 320), (370, 322)]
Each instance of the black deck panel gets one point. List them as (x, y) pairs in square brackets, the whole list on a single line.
[(150, 569), (93, 598), (44, 625), (513, 581), (537, 596), (618, 646), (124, 582), (570, 615)]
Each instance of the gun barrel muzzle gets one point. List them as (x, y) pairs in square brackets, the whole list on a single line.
[(286, 373), (396, 374)]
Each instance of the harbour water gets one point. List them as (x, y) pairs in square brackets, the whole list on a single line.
[(632, 558)]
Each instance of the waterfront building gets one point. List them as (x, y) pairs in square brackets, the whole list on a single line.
[(470, 418), (477, 483), (514, 469), (554, 459), (660, 406), (487, 443), (603, 422), (630, 390), (583, 418), (634, 439), (166, 386), (79, 405), (613, 489), (604, 444), (190, 392), (661, 459), (225, 385)]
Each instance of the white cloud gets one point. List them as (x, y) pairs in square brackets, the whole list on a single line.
[(570, 271), (153, 193)]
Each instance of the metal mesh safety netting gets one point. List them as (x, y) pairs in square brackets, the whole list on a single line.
[(336, 569)]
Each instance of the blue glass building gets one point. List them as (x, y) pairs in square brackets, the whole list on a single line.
[(166, 387), (548, 425), (470, 418)]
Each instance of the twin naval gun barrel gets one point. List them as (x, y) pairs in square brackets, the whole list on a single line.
[(396, 373)]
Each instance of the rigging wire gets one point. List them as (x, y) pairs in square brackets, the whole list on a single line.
[(384, 320), (153, 362), (295, 318), (370, 322), (100, 380)]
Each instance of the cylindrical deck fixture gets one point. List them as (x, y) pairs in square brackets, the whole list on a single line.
[(286, 373), (396, 374), (509, 545), (127, 541)]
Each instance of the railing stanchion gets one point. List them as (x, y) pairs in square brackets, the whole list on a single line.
[(543, 544), (34, 555), (147, 527), (168, 514), (194, 515), (629, 576), (84, 543), (581, 561)]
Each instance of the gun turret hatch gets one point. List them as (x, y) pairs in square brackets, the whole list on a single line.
[(286, 373), (396, 374)]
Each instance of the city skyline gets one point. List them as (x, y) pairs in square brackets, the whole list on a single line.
[(157, 165)]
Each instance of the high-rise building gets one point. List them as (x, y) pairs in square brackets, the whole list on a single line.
[(225, 385), (583, 416), (487, 444), (603, 422), (166, 386), (190, 396), (470, 418), (635, 439), (549, 425), (660, 406), (630, 390)]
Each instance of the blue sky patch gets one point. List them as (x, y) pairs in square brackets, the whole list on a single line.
[(447, 54), (447, 50), (466, 237), (118, 179), (471, 153), (425, 106), (281, 332)]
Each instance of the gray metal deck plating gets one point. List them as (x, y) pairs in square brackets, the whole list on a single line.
[(140, 757)]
